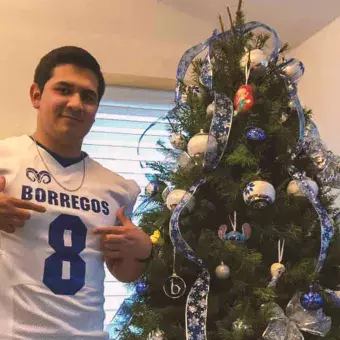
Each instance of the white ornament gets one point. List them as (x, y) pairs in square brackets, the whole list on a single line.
[(222, 271), (210, 109), (257, 58), (151, 189), (293, 188), (198, 145), (259, 194), (175, 197), (294, 70), (178, 141)]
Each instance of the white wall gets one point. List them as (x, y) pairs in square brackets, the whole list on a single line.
[(319, 87)]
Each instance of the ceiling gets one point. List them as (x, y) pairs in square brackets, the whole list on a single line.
[(143, 37)]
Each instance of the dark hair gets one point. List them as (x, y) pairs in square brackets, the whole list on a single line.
[(67, 55)]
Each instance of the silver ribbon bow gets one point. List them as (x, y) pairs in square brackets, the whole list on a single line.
[(297, 319)]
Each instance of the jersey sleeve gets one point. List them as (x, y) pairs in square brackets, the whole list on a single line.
[(132, 192)]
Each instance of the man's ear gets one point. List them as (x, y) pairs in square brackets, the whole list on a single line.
[(35, 95)]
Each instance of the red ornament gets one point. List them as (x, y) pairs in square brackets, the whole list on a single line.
[(244, 99)]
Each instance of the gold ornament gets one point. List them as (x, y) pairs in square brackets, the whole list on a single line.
[(156, 238)]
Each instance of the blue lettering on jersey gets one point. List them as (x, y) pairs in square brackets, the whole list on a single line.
[(64, 200), (53, 270)]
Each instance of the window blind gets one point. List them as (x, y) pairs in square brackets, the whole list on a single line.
[(124, 113)]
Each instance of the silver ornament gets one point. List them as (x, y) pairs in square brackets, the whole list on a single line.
[(222, 271), (185, 162), (257, 59), (178, 141)]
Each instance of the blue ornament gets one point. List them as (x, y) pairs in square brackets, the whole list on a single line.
[(311, 300), (152, 188), (256, 134), (141, 287)]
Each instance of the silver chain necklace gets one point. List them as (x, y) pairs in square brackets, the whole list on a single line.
[(48, 169)]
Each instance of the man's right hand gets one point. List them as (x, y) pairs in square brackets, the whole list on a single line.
[(14, 212)]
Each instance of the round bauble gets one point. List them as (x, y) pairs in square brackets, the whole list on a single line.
[(176, 196), (259, 194), (257, 59), (277, 269), (211, 109), (256, 134), (141, 287), (166, 192), (178, 141), (311, 301), (294, 70), (294, 189), (198, 145), (151, 189), (222, 271)]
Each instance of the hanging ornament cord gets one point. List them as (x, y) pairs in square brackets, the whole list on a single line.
[(280, 250), (233, 223)]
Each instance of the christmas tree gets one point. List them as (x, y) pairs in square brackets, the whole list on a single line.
[(242, 212)]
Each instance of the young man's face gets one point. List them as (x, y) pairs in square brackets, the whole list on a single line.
[(68, 104)]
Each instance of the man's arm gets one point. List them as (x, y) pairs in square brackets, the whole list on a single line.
[(125, 270)]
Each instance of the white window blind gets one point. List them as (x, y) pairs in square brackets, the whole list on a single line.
[(124, 113)]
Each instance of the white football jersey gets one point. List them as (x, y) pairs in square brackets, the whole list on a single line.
[(52, 269)]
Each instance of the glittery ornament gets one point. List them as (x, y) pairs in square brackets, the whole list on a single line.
[(259, 194), (277, 269), (293, 188), (185, 162), (178, 141), (244, 99), (198, 145), (256, 134), (222, 271), (311, 300), (175, 197), (141, 287)]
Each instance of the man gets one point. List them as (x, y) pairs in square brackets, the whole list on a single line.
[(58, 211)]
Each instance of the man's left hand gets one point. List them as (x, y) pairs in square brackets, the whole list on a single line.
[(126, 241)]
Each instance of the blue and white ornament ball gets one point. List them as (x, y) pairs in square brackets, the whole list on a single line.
[(259, 194)]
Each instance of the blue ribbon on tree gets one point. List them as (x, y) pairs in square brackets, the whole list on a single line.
[(197, 300), (327, 229)]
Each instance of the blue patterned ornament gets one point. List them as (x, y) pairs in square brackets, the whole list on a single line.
[(311, 300), (259, 194), (151, 189), (294, 69), (256, 134), (141, 287)]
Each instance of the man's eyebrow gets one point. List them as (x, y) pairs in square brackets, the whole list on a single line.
[(65, 83)]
